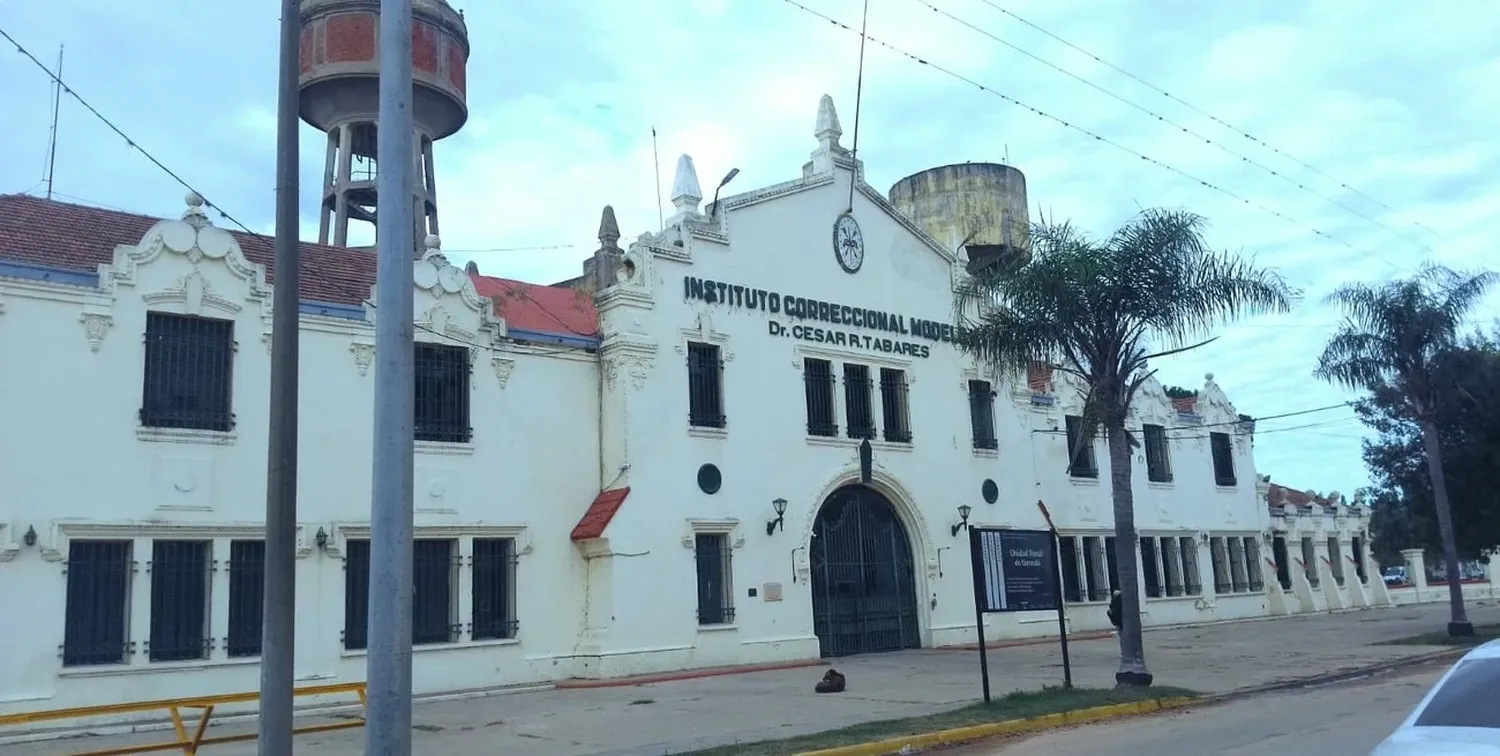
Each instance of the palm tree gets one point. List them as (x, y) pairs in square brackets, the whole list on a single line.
[(1390, 339), (1095, 309)]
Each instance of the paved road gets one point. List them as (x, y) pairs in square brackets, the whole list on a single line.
[(1339, 720), (672, 717)]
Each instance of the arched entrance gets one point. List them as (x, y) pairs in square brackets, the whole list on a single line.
[(864, 589)]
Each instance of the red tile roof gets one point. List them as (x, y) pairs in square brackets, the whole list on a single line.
[(1277, 495), (1039, 376), (79, 237), (1188, 404), (599, 513)]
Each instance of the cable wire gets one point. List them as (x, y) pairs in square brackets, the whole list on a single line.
[(1190, 132), (131, 142), (1070, 125), (1203, 113)]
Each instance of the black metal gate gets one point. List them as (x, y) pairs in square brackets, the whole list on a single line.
[(863, 579)]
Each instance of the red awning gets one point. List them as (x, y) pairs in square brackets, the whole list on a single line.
[(599, 513)]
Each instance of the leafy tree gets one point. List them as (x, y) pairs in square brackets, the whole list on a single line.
[(1096, 309), (1390, 341), (1468, 421)]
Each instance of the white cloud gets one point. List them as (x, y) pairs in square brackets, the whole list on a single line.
[(1397, 100)]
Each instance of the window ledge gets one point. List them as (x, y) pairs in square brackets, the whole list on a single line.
[(155, 668), (700, 431), (729, 628), (845, 442), (1169, 599), (1160, 485), (186, 436), (455, 646), (1220, 487), (987, 453), (1081, 481), (444, 448)]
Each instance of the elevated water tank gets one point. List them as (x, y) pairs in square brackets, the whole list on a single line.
[(977, 207)]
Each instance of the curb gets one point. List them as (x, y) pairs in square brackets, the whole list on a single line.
[(689, 674), (1116, 711), (1008, 727)]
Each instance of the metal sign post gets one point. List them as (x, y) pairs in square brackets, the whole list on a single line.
[(1016, 571)]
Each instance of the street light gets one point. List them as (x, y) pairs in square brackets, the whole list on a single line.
[(728, 177)]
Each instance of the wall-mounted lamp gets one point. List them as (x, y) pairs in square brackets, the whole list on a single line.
[(321, 538), (779, 521), (1203, 536), (963, 518), (29, 537)]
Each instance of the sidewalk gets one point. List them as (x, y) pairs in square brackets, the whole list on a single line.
[(671, 717)]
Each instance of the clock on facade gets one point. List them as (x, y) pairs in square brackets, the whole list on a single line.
[(848, 243)]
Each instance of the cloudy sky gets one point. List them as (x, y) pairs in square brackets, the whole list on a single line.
[(1375, 125)]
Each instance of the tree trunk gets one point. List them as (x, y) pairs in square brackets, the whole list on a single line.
[(1133, 670), (1459, 625)]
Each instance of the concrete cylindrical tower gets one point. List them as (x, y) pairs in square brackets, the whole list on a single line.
[(977, 207), (340, 95)]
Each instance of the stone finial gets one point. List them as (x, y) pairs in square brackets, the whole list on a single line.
[(828, 130), (194, 214), (472, 268), (685, 192), (609, 229), (432, 243), (1208, 377)]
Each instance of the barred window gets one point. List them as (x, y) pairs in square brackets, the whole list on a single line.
[(1067, 554), (817, 376), (442, 402), (247, 560), (1171, 563), (1151, 568), (1310, 562), (188, 376), (1223, 453), (1192, 579), (715, 596), (858, 411), (1158, 458), (982, 415), (1094, 565), (1252, 564), (356, 592), (179, 600), (96, 624), (705, 386), (893, 401), (494, 589), (432, 600), (1080, 450), (1220, 556), (1359, 559), (1238, 578)]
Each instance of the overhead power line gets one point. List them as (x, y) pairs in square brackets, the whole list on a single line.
[(131, 142), (1105, 140), (1204, 113), (1186, 130)]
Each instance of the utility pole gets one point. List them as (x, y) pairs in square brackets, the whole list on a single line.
[(278, 633), (388, 717)]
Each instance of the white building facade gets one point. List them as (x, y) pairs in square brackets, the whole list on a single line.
[(664, 476)]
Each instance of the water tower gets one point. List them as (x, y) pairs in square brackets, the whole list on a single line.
[(977, 207), (340, 86)]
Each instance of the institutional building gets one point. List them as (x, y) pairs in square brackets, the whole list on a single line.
[(652, 467)]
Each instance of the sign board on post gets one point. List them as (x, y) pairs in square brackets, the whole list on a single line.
[(1016, 571)]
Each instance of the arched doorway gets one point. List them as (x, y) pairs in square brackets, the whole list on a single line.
[(864, 589)]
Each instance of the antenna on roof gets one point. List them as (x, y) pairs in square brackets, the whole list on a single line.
[(56, 106), (859, 90), (661, 222)]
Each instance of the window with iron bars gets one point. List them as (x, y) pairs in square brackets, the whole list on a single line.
[(356, 592), (705, 386), (893, 401), (715, 591), (1158, 458), (817, 377), (1310, 562), (1359, 559), (1067, 554), (434, 565), (1239, 579), (1094, 561), (179, 600), (1252, 564), (442, 386), (188, 377), (1151, 568), (1192, 579), (1223, 454), (1112, 562), (1171, 564), (982, 415), (247, 560), (858, 412), (1081, 462), (494, 589), (96, 607), (1219, 555)]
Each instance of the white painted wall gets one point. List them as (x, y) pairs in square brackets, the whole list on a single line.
[(76, 464)]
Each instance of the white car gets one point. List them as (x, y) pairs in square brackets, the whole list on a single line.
[(1459, 716)]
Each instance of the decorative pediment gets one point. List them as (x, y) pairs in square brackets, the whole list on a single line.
[(197, 240), (1152, 404), (1213, 404)]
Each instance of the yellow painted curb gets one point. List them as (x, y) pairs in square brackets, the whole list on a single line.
[(1008, 727)]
